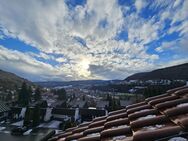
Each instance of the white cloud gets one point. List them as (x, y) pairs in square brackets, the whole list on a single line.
[(54, 29), (60, 59), (139, 4), (166, 46), (177, 2)]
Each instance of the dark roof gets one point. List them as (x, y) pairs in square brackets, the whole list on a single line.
[(159, 118), (3, 107)]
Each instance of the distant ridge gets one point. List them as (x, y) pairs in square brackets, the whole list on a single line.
[(75, 83), (171, 73), (11, 81)]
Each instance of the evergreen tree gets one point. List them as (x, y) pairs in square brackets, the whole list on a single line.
[(61, 94), (37, 94), (36, 116), (23, 96), (27, 117), (30, 92)]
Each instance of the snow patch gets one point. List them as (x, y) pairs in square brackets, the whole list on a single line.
[(22, 113), (177, 139), (27, 132), (145, 110), (76, 116), (93, 134), (52, 124), (2, 128), (157, 126), (147, 117), (19, 123), (121, 126), (48, 114), (119, 138), (182, 105)]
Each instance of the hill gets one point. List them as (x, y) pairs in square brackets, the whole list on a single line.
[(79, 83), (11, 81), (178, 72)]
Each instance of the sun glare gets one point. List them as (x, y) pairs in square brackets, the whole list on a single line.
[(83, 67), (85, 64)]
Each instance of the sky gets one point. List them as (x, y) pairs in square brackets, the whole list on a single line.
[(63, 40)]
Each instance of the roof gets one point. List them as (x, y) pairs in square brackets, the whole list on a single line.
[(3, 107), (76, 103), (102, 104), (125, 103), (159, 118)]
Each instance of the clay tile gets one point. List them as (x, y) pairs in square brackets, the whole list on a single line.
[(53, 138), (163, 99), (97, 123), (70, 129), (65, 134), (114, 117), (117, 112), (99, 118), (84, 124), (150, 121), (142, 113), (181, 92), (176, 89), (184, 122), (74, 137), (61, 139), (80, 129), (171, 103), (178, 110), (115, 132), (93, 130), (151, 135), (132, 110), (93, 138), (117, 122), (156, 97), (135, 105)]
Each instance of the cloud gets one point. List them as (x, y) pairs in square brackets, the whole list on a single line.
[(139, 4), (166, 46), (60, 59), (81, 40), (21, 63)]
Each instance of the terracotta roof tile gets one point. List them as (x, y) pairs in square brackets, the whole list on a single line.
[(93, 137), (117, 122), (93, 130), (159, 118), (117, 116)]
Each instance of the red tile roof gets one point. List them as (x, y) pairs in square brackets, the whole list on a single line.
[(161, 118)]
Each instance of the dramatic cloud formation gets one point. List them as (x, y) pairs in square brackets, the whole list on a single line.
[(91, 39)]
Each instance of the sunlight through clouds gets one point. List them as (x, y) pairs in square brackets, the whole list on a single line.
[(96, 39)]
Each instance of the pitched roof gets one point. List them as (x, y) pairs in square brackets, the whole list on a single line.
[(161, 118)]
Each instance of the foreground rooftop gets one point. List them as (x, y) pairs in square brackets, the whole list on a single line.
[(159, 118)]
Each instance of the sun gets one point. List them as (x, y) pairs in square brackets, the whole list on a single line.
[(85, 64), (83, 67)]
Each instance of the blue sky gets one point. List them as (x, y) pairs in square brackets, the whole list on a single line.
[(45, 40)]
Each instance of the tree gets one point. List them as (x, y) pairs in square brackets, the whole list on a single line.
[(30, 92), (23, 96), (83, 98), (44, 104), (27, 117), (37, 94), (36, 116), (61, 94)]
